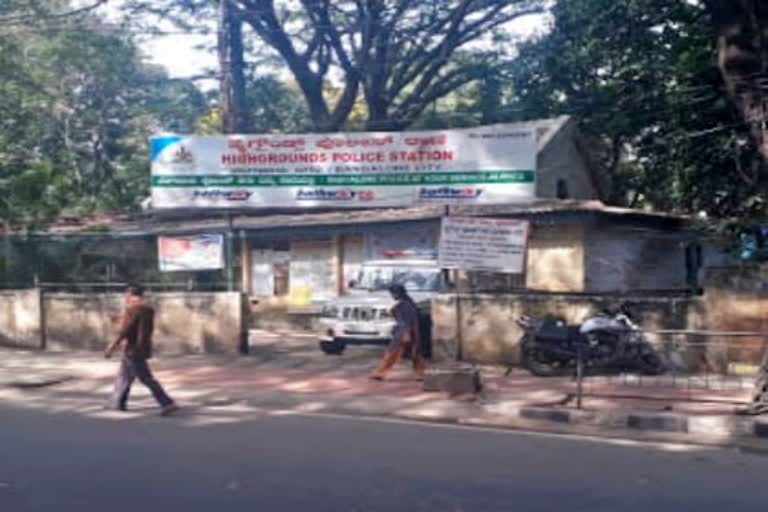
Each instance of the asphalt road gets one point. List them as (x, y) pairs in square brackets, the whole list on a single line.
[(230, 459)]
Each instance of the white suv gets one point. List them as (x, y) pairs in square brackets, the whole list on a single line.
[(363, 317)]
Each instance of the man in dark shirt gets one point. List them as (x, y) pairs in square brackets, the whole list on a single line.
[(135, 337)]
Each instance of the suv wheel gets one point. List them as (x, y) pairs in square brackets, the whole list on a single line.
[(333, 348)]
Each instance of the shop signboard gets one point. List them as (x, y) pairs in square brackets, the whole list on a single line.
[(190, 253), (483, 165)]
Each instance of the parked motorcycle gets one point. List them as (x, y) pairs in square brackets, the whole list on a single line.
[(607, 341)]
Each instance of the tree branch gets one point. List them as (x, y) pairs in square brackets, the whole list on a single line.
[(323, 23), (261, 15), (414, 105), (425, 62), (24, 18), (387, 47)]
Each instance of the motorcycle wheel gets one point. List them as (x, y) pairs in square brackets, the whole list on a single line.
[(540, 366)]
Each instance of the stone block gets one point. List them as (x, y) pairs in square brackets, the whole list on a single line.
[(538, 413), (456, 381), (760, 428), (658, 422)]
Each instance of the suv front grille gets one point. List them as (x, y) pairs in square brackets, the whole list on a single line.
[(361, 314)]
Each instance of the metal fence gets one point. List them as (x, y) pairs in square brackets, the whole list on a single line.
[(694, 360), (94, 262), (716, 360), (111, 287)]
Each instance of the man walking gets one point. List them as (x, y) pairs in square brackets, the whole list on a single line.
[(135, 337)]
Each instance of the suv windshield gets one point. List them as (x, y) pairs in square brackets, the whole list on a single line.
[(415, 279)]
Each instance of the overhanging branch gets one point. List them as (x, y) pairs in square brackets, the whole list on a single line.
[(25, 18)]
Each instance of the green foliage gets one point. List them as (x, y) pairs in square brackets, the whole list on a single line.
[(274, 107), (271, 106), (77, 105), (642, 78)]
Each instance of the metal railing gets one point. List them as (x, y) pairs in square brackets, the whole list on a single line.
[(106, 287), (706, 359), (694, 360)]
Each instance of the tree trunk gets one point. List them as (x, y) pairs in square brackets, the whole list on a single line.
[(742, 45), (383, 122)]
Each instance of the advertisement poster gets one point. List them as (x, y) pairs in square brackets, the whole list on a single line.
[(484, 165), (191, 253), (481, 244)]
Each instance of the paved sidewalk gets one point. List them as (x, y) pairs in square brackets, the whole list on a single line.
[(293, 376)]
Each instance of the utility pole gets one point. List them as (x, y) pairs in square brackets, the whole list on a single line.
[(231, 68), (229, 254), (232, 100)]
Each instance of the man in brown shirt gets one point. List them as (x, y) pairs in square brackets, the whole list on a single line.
[(135, 337)]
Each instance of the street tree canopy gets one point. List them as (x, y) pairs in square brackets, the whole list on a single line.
[(742, 45), (400, 56), (671, 93), (77, 105), (642, 78)]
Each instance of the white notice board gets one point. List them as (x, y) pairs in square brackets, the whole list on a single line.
[(482, 244), (190, 253)]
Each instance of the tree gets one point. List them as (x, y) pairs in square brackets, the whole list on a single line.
[(641, 77), (26, 12), (742, 44), (284, 112), (400, 55), (76, 107)]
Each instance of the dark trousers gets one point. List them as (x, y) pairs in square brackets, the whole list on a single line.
[(131, 369)]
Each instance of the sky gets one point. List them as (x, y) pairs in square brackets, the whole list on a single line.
[(180, 56), (177, 53)]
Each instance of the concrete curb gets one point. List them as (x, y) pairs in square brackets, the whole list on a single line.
[(38, 382), (726, 431), (748, 434), (693, 426)]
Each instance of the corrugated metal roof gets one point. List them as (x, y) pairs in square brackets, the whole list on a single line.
[(528, 209), (550, 210)]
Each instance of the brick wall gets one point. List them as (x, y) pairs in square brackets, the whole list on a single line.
[(185, 322)]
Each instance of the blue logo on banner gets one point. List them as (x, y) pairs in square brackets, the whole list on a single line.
[(158, 144)]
